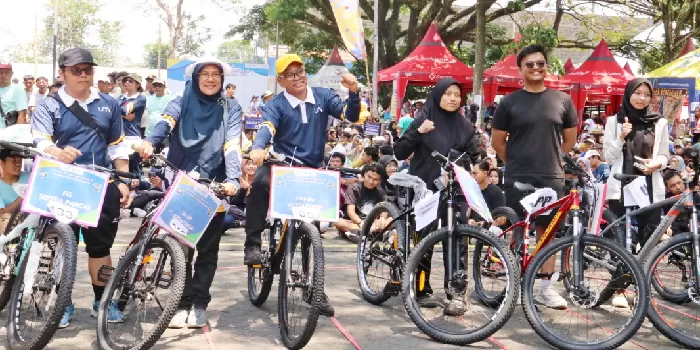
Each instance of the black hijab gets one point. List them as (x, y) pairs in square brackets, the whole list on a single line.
[(449, 126), (636, 116), (640, 141)]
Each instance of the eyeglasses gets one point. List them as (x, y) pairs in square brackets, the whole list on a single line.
[(205, 76), (293, 75), (128, 81), (75, 71), (540, 64)]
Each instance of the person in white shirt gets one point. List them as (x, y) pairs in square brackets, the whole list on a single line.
[(42, 84)]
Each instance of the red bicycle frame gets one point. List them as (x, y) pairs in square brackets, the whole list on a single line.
[(565, 204)]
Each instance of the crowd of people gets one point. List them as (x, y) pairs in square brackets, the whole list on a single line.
[(520, 139)]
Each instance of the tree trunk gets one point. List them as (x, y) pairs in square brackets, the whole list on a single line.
[(480, 48)]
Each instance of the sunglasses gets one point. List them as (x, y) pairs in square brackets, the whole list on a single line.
[(128, 81), (540, 64), (75, 71)]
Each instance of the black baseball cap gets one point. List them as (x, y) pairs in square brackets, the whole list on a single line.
[(74, 56)]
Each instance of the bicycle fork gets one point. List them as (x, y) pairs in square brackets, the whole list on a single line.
[(696, 248), (577, 254)]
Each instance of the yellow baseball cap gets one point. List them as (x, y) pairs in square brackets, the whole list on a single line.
[(284, 62)]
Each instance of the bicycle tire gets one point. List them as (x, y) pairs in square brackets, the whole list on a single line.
[(676, 298), (619, 237), (372, 296), (256, 297), (494, 300), (6, 284), (298, 342), (530, 309), (659, 322), (178, 264), (68, 268), (497, 322)]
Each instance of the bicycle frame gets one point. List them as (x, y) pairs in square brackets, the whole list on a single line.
[(565, 205)]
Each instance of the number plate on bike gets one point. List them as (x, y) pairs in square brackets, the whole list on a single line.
[(65, 192), (186, 210), (304, 194)]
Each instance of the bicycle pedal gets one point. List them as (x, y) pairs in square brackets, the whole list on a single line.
[(392, 288), (105, 273), (165, 280)]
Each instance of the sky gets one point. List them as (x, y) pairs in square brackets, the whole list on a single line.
[(139, 29)]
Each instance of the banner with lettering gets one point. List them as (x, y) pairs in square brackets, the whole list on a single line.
[(668, 103)]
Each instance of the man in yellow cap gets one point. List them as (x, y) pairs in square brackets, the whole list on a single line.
[(298, 120)]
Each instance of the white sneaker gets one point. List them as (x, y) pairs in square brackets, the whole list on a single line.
[(550, 298), (180, 319), (620, 301), (198, 318)]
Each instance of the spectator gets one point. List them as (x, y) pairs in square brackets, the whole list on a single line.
[(360, 198), (491, 110), (12, 173), (404, 123), (600, 169), (393, 129), (235, 215), (42, 91), (231, 91), (155, 104), (496, 176), (473, 114), (391, 165), (13, 99), (386, 150), (493, 195), (696, 131)]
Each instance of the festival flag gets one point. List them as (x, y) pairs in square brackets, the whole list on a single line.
[(347, 15)]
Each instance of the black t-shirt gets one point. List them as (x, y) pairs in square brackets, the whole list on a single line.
[(362, 198), (494, 197), (534, 122)]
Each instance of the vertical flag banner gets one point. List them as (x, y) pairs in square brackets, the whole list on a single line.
[(347, 15)]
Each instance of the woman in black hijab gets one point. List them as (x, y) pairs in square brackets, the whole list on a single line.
[(637, 132), (439, 127)]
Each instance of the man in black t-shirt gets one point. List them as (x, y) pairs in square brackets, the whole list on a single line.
[(360, 198), (539, 124)]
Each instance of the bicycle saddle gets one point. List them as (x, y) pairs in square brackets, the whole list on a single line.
[(625, 177), (523, 187)]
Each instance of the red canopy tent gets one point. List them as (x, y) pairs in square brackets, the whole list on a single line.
[(628, 68), (599, 75), (505, 77), (569, 66), (428, 63), (688, 48)]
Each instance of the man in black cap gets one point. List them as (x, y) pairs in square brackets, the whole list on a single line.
[(80, 125)]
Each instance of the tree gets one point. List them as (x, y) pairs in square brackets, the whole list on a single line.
[(77, 19), (300, 19), (187, 34), (150, 57), (235, 51)]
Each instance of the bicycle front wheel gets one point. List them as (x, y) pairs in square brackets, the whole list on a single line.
[(148, 303), (440, 303), (675, 304), (573, 318), (41, 293), (301, 288)]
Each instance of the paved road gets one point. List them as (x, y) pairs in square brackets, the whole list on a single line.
[(236, 324)]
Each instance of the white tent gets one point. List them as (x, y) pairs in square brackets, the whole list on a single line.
[(331, 73)]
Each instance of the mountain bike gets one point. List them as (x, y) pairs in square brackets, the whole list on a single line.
[(43, 265), (448, 314), (672, 265), (293, 249), (593, 261), (148, 280)]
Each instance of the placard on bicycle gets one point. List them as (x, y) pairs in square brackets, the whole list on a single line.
[(304, 194), (65, 192), (186, 210)]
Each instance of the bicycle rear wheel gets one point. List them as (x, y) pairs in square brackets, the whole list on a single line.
[(452, 314), (487, 269), (581, 323), (675, 306), (153, 297), (260, 278), (301, 289), (39, 297), (378, 255)]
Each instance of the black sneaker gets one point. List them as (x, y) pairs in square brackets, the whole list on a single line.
[(428, 301), (353, 236), (252, 255), (326, 307)]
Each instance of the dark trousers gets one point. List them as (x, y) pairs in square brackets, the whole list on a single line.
[(257, 206), (135, 164), (197, 287), (426, 262), (233, 214)]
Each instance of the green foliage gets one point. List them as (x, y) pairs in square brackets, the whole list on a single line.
[(195, 34), (235, 51), (150, 55), (77, 19), (650, 55)]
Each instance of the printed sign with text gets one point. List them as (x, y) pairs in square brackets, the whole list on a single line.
[(304, 194)]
